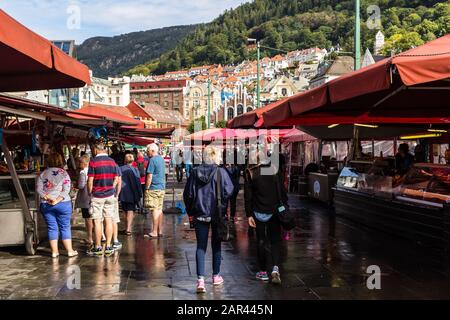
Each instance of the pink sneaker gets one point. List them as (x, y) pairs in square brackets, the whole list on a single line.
[(201, 286), (217, 280)]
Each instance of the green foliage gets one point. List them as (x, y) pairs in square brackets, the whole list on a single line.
[(299, 24), (221, 124), (193, 125), (400, 42)]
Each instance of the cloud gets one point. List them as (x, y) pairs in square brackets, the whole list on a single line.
[(112, 17)]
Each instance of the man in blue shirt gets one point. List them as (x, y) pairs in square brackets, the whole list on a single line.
[(155, 187)]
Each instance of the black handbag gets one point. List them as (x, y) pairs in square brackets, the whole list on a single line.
[(285, 215), (223, 225)]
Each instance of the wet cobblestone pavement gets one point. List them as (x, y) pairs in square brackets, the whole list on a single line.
[(325, 258)]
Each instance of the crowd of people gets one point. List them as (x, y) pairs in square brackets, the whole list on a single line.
[(138, 182)]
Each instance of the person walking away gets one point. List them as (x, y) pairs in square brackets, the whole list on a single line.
[(234, 171), (179, 164), (155, 189), (187, 158), (83, 200), (103, 179), (201, 200), (116, 244), (117, 155), (261, 207), (131, 193), (167, 165), (53, 187), (142, 164)]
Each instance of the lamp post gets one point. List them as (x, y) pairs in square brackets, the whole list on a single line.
[(209, 105), (357, 35), (258, 70)]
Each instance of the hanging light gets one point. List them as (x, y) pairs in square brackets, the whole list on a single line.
[(437, 130), (421, 136), (366, 125), (331, 126)]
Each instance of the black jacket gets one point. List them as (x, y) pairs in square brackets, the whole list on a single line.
[(260, 191)]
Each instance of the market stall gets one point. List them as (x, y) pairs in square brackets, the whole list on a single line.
[(399, 102), (29, 62)]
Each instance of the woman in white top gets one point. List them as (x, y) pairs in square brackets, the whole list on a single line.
[(56, 206)]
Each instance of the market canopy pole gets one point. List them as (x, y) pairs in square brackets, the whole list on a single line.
[(357, 35)]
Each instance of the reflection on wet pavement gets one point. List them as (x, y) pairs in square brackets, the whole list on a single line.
[(325, 258)]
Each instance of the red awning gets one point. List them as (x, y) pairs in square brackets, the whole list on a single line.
[(405, 88), (31, 62), (149, 132), (295, 135), (92, 110), (136, 140)]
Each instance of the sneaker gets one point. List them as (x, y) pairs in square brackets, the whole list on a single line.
[(117, 245), (95, 251), (276, 275), (201, 286), (217, 280), (262, 275), (109, 251)]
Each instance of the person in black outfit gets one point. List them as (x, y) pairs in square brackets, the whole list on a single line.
[(403, 159), (261, 207)]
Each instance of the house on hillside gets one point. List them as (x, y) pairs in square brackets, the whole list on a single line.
[(342, 65), (155, 116), (282, 87)]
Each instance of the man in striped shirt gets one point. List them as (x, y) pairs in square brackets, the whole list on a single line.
[(103, 178)]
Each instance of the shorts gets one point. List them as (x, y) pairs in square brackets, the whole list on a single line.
[(103, 208), (116, 215), (128, 206), (86, 213), (156, 199)]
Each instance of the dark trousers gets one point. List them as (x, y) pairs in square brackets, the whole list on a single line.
[(268, 236), (232, 204), (202, 232), (179, 171)]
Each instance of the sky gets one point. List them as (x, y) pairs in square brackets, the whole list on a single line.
[(81, 19)]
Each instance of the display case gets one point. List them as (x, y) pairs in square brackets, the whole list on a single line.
[(11, 212), (426, 184)]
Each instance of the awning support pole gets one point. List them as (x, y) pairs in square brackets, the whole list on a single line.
[(388, 97), (29, 224)]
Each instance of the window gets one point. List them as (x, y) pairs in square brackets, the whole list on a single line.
[(249, 109), (155, 95), (176, 103), (118, 101), (176, 94), (166, 103), (240, 109), (166, 95), (230, 113), (284, 92)]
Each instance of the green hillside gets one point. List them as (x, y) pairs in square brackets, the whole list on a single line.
[(297, 24)]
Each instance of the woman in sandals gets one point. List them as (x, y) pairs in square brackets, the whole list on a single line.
[(54, 186), (131, 193)]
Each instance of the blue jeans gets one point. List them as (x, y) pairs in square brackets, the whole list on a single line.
[(188, 169), (202, 232), (58, 219)]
